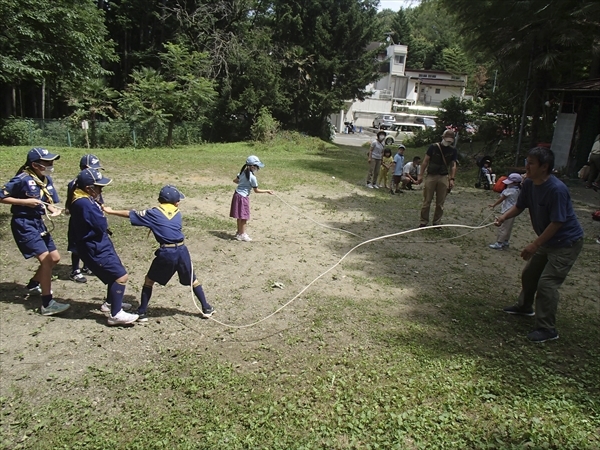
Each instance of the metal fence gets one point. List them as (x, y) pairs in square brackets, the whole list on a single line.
[(99, 134)]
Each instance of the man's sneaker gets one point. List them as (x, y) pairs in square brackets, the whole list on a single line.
[(105, 308), (376, 186), (542, 335), (369, 185), (519, 311), (122, 318), (86, 271), (54, 308), (505, 244), (207, 312), (142, 317), (497, 246), (243, 237), (77, 277)]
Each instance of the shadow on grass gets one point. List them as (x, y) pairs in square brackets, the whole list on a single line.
[(80, 309)]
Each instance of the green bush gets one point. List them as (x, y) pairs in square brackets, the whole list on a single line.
[(15, 132), (54, 133), (264, 127), (424, 137), (114, 134)]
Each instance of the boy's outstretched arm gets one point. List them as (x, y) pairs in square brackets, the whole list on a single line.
[(114, 212)]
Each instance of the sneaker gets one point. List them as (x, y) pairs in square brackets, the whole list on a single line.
[(86, 271), (77, 277), (497, 246), (105, 308), (243, 237), (35, 290), (142, 317), (505, 244), (207, 312), (369, 185), (54, 308), (376, 186), (392, 192), (519, 311), (122, 318), (542, 335)]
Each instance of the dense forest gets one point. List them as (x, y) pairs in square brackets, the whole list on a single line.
[(223, 63)]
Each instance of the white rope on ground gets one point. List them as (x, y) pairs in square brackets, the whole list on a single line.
[(312, 220), (334, 266)]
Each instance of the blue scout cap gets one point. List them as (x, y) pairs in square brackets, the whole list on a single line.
[(170, 194), (91, 177), (41, 154), (254, 161), (89, 162)]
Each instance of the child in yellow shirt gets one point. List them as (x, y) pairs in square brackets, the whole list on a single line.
[(386, 163)]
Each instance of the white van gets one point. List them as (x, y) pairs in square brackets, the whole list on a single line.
[(400, 131)]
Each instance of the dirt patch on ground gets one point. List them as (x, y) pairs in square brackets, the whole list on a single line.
[(246, 282)]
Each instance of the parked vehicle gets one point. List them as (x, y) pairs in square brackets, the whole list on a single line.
[(400, 131), (384, 121), (427, 121)]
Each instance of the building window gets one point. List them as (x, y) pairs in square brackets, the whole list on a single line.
[(437, 91), (422, 89), (399, 59), (416, 88)]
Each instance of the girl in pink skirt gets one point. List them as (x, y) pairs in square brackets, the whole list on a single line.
[(240, 203)]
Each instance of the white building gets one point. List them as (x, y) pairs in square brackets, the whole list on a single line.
[(401, 90)]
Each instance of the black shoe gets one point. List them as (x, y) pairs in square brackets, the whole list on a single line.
[(542, 335), (86, 271), (519, 311), (77, 277), (207, 312), (142, 317)]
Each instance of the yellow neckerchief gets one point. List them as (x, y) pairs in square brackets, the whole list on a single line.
[(42, 184), (168, 209), (79, 193)]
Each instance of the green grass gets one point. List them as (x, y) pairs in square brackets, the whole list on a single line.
[(429, 371)]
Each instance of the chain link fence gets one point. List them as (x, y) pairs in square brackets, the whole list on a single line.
[(99, 134)]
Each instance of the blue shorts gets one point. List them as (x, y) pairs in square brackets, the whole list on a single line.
[(32, 236), (107, 266), (168, 261)]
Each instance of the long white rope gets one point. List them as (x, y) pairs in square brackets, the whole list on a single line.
[(334, 266)]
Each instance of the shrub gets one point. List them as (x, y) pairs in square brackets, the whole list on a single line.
[(15, 131), (424, 137), (264, 127)]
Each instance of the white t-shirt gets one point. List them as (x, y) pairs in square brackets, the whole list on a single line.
[(512, 194), (410, 168)]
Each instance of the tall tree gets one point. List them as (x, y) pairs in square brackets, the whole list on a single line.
[(545, 41), (61, 42), (321, 45), (180, 91)]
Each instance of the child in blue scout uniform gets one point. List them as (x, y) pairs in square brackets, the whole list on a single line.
[(26, 193), (172, 255), (240, 203), (86, 162), (89, 232)]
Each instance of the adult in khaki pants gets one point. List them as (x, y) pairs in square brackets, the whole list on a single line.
[(439, 166)]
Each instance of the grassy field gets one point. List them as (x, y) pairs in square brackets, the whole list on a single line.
[(404, 346)]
